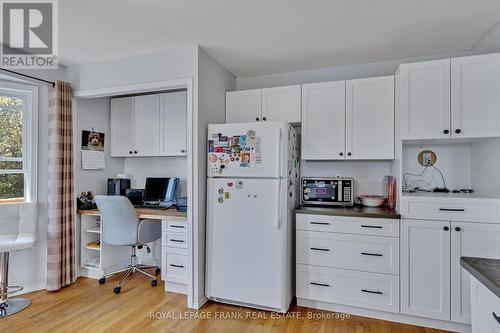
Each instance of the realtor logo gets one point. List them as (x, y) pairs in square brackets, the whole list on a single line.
[(29, 34)]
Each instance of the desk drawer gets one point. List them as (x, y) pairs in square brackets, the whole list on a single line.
[(361, 289), (364, 253), (349, 225), (178, 227), (177, 268), (444, 209), (174, 240), (485, 303)]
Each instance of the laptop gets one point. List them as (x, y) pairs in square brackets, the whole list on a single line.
[(160, 192)]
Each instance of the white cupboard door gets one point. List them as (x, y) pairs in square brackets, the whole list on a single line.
[(370, 118), (469, 240), (323, 121), (122, 127), (173, 122), (425, 268), (243, 106), (147, 125), (281, 104), (425, 100), (475, 96)]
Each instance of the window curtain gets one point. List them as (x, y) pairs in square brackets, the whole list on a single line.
[(61, 251)]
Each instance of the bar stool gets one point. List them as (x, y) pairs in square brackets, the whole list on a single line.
[(17, 232)]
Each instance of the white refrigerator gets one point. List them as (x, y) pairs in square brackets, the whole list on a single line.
[(252, 192)]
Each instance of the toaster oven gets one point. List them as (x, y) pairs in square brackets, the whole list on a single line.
[(332, 191)]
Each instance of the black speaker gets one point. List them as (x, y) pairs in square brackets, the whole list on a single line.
[(118, 186)]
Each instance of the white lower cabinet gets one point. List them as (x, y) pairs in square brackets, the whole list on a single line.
[(174, 256), (344, 260), (485, 308)]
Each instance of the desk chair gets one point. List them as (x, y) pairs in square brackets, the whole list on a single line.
[(17, 232), (121, 226)]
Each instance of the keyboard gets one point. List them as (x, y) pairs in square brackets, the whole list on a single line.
[(149, 206)]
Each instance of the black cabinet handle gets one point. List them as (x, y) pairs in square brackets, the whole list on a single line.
[(319, 249), (257, 119), (372, 254), (349, 154), (135, 151), (446, 131), (341, 154), (458, 131), (264, 118), (446, 228), (452, 209), (176, 240), (177, 226), (320, 284), (320, 223), (176, 266), (371, 226), (457, 229), (497, 318), (130, 152), (371, 291), (183, 150)]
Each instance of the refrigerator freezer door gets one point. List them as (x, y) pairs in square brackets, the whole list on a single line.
[(248, 150), (246, 242)]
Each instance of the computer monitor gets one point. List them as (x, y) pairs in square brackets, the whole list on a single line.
[(155, 189)]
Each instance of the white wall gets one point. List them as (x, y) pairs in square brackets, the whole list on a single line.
[(485, 166), (454, 161), (94, 113), (213, 82)]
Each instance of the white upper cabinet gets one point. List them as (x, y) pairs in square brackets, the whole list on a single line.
[(323, 121), (425, 100), (469, 240), (122, 127), (370, 118), (475, 96), (147, 125), (281, 104), (243, 106), (425, 268), (173, 121)]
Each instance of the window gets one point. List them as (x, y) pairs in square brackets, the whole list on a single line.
[(17, 143)]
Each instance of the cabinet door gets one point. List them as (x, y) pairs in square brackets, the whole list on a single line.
[(425, 268), (243, 106), (469, 240), (323, 121), (147, 125), (173, 122), (281, 104), (370, 118), (425, 100), (475, 96), (122, 127)]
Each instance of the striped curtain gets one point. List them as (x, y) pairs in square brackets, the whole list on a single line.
[(61, 255)]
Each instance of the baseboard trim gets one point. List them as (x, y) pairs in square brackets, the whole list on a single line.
[(396, 317), (29, 289), (200, 303)]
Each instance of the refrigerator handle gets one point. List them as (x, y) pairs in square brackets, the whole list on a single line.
[(278, 212), (280, 157)]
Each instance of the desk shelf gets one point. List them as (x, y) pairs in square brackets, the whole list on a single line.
[(93, 230)]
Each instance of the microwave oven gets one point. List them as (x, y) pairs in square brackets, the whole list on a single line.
[(332, 191)]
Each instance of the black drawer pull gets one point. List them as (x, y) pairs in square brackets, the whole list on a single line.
[(319, 249), (320, 284), (177, 226), (497, 318), (372, 254), (372, 226), (176, 240), (176, 266), (371, 291), (320, 223), (452, 209)]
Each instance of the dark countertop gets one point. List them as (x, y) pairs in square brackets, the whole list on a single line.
[(487, 271), (355, 211)]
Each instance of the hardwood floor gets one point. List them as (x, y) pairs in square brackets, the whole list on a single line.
[(87, 306)]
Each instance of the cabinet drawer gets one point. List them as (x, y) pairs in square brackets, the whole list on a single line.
[(177, 266), (485, 303), (178, 227), (349, 225), (368, 290), (366, 253), (174, 240), (472, 210)]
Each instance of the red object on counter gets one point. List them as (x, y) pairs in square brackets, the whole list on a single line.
[(390, 191)]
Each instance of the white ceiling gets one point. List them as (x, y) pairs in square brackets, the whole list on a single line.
[(254, 37)]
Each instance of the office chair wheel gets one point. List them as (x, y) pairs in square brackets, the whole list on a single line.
[(158, 271), (154, 283), (102, 280), (117, 290)]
